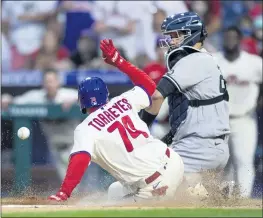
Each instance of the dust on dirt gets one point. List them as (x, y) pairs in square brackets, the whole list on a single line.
[(211, 181)]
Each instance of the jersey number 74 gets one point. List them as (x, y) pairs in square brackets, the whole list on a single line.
[(126, 127)]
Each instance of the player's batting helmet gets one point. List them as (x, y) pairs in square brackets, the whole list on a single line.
[(188, 27), (92, 92)]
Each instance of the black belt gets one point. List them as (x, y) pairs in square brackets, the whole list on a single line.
[(197, 103)]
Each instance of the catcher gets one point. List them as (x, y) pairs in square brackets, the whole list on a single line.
[(197, 96)]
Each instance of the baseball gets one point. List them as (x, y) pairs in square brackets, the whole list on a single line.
[(23, 133)]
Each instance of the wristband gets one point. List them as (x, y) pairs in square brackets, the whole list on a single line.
[(147, 117)]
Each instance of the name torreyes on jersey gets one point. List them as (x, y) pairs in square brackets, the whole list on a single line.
[(110, 114)]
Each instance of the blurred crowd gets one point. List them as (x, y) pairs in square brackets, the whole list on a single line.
[(64, 34)]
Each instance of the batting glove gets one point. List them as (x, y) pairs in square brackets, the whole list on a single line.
[(106, 60), (109, 53), (60, 196)]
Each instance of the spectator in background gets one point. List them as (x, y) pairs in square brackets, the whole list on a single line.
[(252, 30), (255, 8), (258, 32), (243, 73), (246, 25), (50, 54), (232, 11), (141, 60), (26, 25), (156, 69), (117, 20), (85, 53), (149, 16), (248, 42), (130, 24), (171, 7), (144, 35), (158, 18), (59, 132), (87, 50), (6, 55), (76, 17), (86, 56), (210, 13)]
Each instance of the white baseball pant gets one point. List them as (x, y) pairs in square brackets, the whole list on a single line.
[(171, 175), (242, 146)]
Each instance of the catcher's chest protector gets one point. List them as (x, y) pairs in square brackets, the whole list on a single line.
[(178, 105)]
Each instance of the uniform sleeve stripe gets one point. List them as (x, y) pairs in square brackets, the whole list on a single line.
[(77, 152), (149, 97), (174, 82)]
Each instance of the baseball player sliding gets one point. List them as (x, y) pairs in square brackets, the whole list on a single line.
[(243, 72), (114, 136)]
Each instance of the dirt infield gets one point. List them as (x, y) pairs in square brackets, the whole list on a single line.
[(98, 201)]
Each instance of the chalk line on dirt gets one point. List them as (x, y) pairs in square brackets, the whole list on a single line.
[(35, 206)]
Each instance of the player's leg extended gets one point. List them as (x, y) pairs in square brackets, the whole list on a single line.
[(244, 137)]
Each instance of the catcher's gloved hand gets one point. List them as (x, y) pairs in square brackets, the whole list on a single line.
[(60, 196), (109, 53)]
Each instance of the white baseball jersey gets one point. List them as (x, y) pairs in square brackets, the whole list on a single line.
[(118, 140), (243, 77)]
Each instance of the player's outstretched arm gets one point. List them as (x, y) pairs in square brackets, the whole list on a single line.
[(76, 169), (112, 56), (139, 78)]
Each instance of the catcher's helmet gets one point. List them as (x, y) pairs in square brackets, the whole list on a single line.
[(186, 26), (92, 92)]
